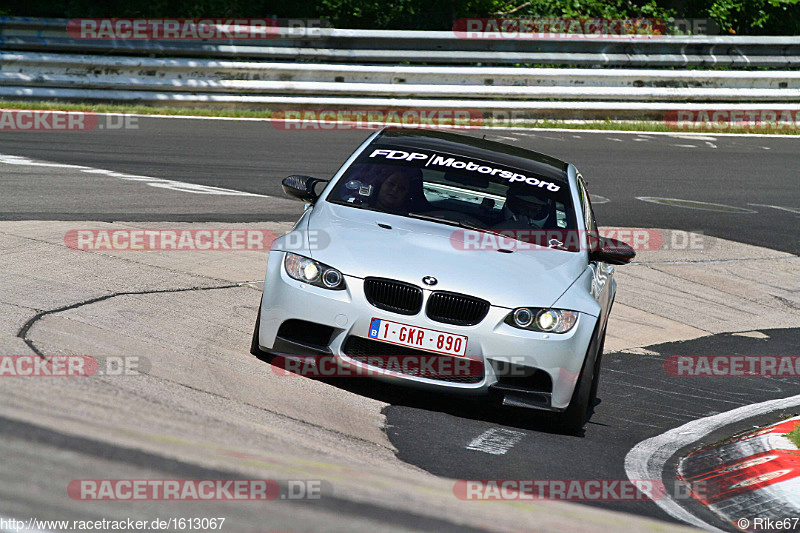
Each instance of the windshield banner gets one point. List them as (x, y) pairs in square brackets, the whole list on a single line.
[(448, 161)]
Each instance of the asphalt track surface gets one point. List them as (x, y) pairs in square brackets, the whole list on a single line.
[(254, 156), (637, 398)]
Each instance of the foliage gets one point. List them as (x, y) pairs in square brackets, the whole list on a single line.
[(753, 17), (739, 17)]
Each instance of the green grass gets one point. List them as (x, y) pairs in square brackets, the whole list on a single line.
[(794, 436), (619, 125), (137, 109)]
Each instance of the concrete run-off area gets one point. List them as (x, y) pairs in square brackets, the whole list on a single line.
[(207, 403)]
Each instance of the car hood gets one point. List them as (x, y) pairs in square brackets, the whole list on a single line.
[(407, 249)]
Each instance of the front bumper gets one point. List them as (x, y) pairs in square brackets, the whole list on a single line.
[(492, 342)]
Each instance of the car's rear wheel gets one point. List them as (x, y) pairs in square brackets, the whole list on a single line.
[(574, 417)]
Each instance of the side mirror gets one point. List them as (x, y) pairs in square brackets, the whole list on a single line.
[(613, 252), (301, 188)]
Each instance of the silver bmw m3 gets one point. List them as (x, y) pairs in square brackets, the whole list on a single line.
[(445, 261)]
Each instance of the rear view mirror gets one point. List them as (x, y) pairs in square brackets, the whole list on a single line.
[(301, 188), (613, 252)]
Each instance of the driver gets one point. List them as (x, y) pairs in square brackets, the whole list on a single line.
[(527, 211), (396, 190)]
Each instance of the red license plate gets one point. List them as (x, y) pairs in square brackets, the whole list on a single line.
[(426, 339)]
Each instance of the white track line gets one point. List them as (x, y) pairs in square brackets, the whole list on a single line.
[(697, 205), (648, 458), (160, 183), (495, 441), (795, 210)]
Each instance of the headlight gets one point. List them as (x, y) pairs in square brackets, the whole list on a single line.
[(523, 317), (313, 272), (547, 320), (332, 278)]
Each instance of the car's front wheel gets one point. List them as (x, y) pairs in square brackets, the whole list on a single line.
[(574, 417), (597, 364), (255, 348)]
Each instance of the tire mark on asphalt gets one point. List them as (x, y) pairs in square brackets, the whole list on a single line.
[(23, 331)]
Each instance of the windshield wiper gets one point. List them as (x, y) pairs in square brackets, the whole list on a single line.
[(361, 205), (460, 224), (467, 225), (429, 218)]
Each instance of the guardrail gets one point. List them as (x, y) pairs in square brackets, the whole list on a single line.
[(25, 69), (395, 46), (36, 61)]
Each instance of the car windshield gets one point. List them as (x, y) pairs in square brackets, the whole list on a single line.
[(455, 190)]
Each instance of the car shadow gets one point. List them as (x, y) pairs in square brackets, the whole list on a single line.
[(485, 409), (479, 408)]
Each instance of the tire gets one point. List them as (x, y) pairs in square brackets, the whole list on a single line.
[(574, 417), (597, 364), (255, 349)]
